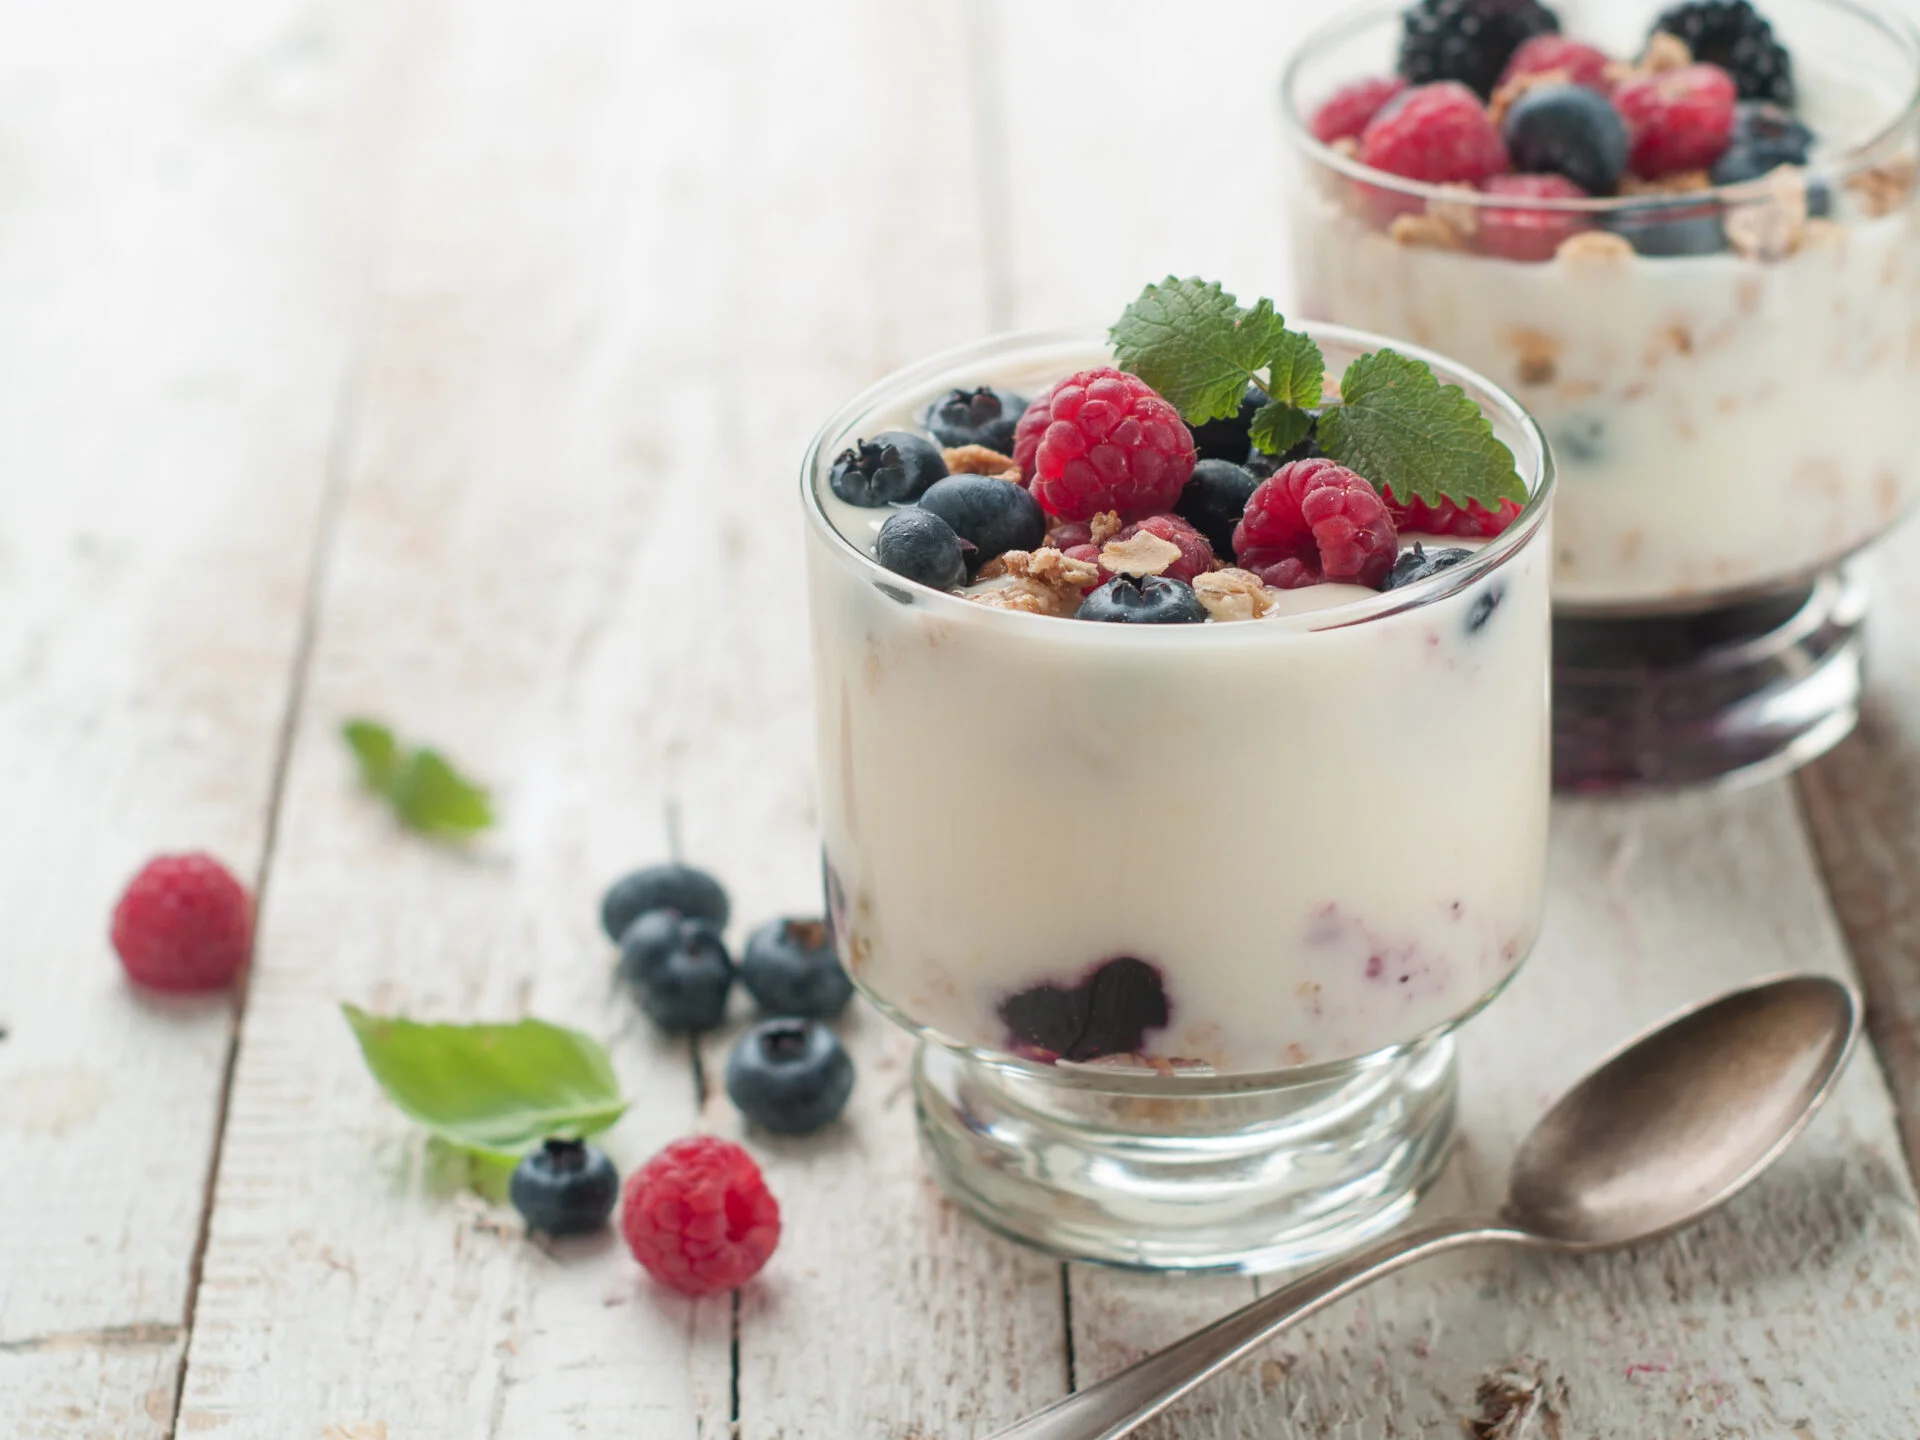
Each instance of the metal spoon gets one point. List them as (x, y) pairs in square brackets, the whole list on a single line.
[(1674, 1125)]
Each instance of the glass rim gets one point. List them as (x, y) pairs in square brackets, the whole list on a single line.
[(1385, 605), (1892, 23)]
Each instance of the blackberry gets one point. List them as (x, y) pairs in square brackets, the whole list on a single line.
[(1734, 36), (1468, 40)]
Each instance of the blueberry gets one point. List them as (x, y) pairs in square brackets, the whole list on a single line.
[(895, 467), (1568, 130), (1664, 231), (682, 970), (1420, 563), (566, 1187), (789, 1076), (1215, 499), (789, 967), (1152, 600), (990, 514), (921, 546), (982, 416), (1483, 609), (1765, 137), (1107, 1013), (1229, 438), (672, 886)]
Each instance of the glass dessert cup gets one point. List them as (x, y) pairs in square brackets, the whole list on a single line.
[(1183, 916), (1731, 427)]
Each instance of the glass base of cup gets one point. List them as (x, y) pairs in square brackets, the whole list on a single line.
[(1732, 695), (1211, 1178)]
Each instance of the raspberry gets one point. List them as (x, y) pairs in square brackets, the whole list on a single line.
[(1440, 134), (1679, 119), (1530, 233), (1325, 518), (184, 923), (1196, 554), (1351, 107), (1443, 517), (1103, 440), (1543, 54), (699, 1216)]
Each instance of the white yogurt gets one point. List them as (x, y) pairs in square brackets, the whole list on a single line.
[(1325, 830), (1720, 424)]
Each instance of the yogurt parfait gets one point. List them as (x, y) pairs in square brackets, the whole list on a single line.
[(1687, 237), (1184, 763)]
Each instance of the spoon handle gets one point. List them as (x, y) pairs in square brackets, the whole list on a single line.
[(1117, 1404)]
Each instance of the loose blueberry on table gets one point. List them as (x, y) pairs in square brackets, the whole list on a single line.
[(789, 1076), (565, 1187), (789, 967), (1491, 96), (1157, 492)]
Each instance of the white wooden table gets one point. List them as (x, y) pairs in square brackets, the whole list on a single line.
[(450, 361)]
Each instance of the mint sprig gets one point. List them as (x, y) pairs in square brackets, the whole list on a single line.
[(1394, 422), (494, 1091), (426, 791)]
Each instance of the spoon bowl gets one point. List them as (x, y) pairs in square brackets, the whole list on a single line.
[(1681, 1119), (1676, 1123)]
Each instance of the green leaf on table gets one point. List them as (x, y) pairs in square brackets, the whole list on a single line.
[(492, 1090), (425, 790), (1397, 425), (1192, 342), (1278, 428)]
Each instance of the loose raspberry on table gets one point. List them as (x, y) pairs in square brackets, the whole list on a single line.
[(184, 923), (1439, 134), (1443, 517), (1327, 519), (1103, 440), (1679, 119), (1529, 233), (1547, 54), (1351, 107), (699, 1216)]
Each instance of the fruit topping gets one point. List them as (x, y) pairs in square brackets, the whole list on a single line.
[(1215, 499), (1104, 440), (1322, 518), (1420, 563), (1194, 552), (789, 968), (893, 468), (1443, 517), (1679, 119), (982, 416), (1148, 600), (1470, 41), (921, 546), (699, 1216), (1530, 233), (183, 923), (1551, 54), (1666, 230), (1568, 130), (565, 1187), (1109, 1012), (1439, 134), (790, 1076), (673, 886), (1229, 438), (1764, 138), (990, 515), (1733, 36), (1347, 112)]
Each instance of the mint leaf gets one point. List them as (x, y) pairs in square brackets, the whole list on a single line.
[(375, 748), (1278, 428), (1192, 342), (492, 1090), (1406, 432), (425, 790), (435, 799), (1299, 372)]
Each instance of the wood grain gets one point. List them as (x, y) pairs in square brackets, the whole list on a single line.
[(182, 237)]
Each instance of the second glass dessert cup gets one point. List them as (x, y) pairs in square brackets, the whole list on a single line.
[(1727, 375), (1183, 916)]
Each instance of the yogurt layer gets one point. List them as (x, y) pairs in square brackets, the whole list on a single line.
[(1319, 835)]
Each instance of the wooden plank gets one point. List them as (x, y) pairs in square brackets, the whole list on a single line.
[(640, 255), (1863, 806), (184, 225)]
